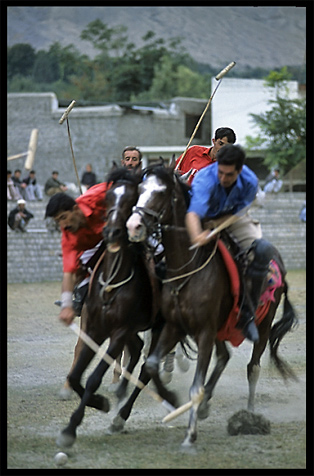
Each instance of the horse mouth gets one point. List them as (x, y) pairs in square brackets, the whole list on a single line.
[(113, 247), (137, 236)]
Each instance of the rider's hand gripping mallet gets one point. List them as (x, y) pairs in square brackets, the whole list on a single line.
[(218, 78), (61, 121)]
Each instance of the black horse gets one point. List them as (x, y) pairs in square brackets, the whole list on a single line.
[(196, 294), (119, 303)]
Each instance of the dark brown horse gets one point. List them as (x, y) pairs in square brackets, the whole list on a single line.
[(119, 304), (196, 294)]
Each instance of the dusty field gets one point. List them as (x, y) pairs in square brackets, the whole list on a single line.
[(40, 353)]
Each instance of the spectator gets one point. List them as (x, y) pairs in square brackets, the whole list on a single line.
[(88, 178), (18, 183), (53, 185), (19, 217), (198, 156), (12, 192), (303, 213), (33, 190), (273, 183)]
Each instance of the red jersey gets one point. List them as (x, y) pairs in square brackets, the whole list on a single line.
[(74, 244), (196, 158)]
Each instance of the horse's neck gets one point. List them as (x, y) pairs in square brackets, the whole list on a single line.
[(175, 239), (117, 265)]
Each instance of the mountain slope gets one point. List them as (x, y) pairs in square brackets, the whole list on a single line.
[(266, 36)]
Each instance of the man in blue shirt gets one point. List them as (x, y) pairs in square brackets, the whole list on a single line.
[(221, 190)]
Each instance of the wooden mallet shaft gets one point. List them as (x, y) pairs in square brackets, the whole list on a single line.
[(67, 112), (32, 146), (109, 360), (61, 121), (196, 400), (219, 76)]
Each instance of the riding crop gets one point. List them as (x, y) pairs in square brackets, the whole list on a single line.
[(219, 77), (63, 118), (109, 360)]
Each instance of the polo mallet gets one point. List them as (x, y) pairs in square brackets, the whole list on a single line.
[(30, 153), (232, 219), (109, 360), (219, 77), (61, 121)]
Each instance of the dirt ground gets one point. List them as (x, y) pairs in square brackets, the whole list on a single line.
[(40, 352)]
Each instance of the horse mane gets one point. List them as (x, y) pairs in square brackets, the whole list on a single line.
[(169, 176), (122, 174)]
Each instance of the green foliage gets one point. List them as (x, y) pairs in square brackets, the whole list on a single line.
[(20, 59), (158, 70), (283, 127)]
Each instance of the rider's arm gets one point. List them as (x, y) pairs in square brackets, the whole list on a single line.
[(67, 313)]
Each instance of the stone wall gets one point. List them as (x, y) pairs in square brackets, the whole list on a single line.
[(98, 134)]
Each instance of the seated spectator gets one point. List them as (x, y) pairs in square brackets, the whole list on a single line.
[(19, 217), (88, 178), (273, 183), (53, 185), (12, 192), (18, 183), (302, 214), (33, 190)]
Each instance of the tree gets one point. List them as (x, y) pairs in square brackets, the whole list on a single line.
[(46, 67), (283, 127), (20, 61)]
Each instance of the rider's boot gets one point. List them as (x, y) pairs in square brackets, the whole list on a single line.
[(255, 278)]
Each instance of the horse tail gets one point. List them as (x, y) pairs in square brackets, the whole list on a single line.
[(288, 321)]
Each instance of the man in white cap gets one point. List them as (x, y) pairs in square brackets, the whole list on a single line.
[(19, 217)]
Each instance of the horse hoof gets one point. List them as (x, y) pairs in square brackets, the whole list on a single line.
[(66, 393), (105, 405), (203, 411), (165, 377), (117, 424), (65, 440), (112, 388)]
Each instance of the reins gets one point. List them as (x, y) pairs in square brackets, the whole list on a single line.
[(106, 286), (169, 280)]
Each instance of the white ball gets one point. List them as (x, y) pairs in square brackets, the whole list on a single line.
[(61, 458)]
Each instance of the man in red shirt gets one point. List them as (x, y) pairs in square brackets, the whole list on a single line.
[(81, 222), (197, 157)]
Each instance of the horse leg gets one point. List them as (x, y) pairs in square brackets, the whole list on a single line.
[(134, 347), (169, 337), (253, 367), (66, 391), (68, 435), (95, 401), (223, 356), (205, 347), (124, 412)]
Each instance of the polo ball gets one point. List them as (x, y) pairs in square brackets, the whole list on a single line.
[(61, 458)]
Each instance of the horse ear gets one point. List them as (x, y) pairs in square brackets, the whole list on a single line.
[(161, 160), (114, 166), (172, 162)]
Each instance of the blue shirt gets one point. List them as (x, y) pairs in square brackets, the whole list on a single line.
[(209, 199)]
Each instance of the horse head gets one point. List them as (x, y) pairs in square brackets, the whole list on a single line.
[(157, 202), (120, 198)]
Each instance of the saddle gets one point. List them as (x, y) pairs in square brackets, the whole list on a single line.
[(228, 331)]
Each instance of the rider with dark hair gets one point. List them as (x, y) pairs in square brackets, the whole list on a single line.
[(81, 221), (198, 156), (226, 188)]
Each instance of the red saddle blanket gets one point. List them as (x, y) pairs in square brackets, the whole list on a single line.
[(228, 331)]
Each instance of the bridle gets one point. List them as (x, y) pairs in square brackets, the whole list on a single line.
[(157, 227)]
